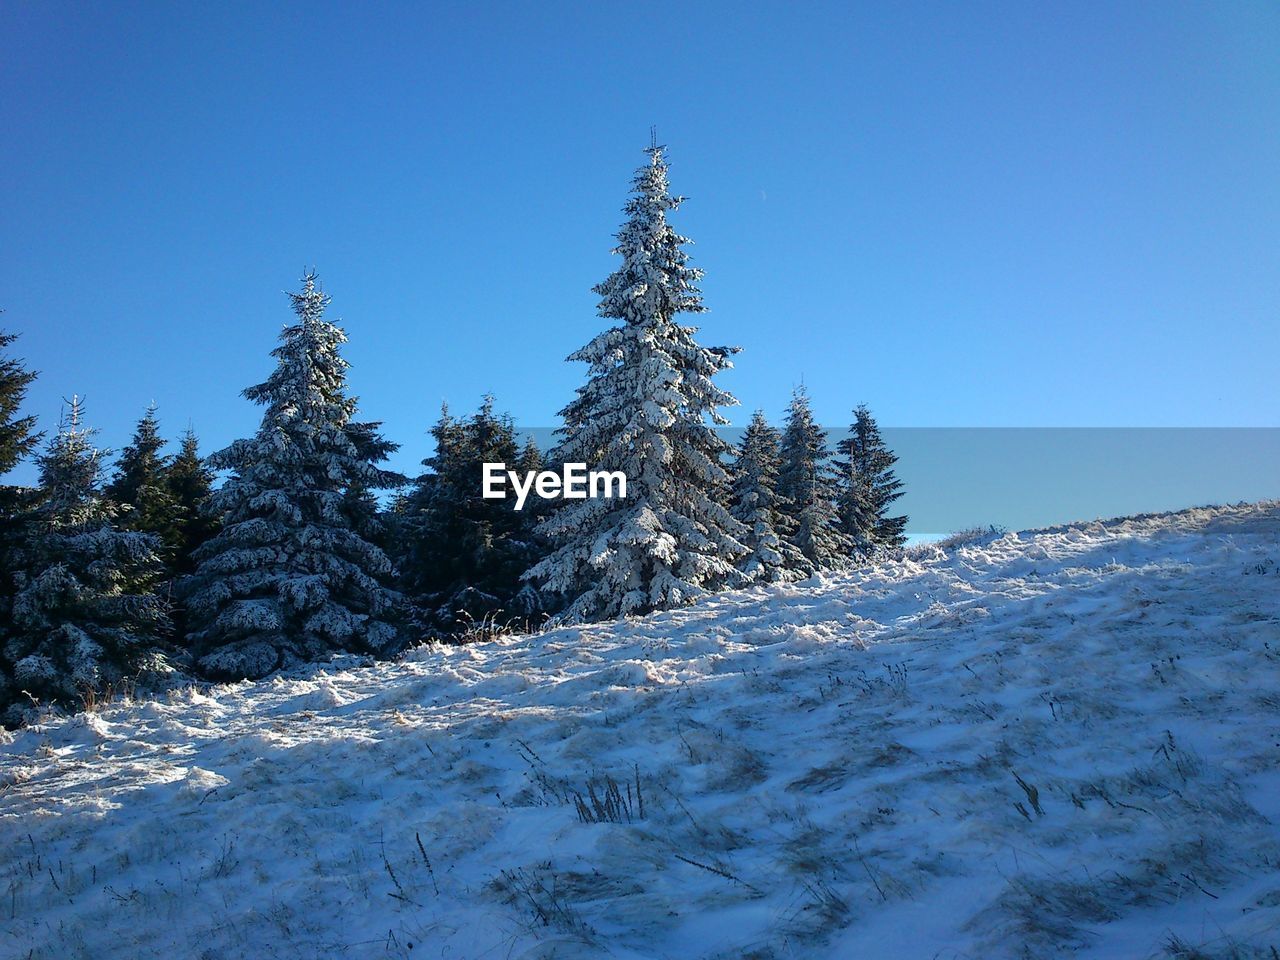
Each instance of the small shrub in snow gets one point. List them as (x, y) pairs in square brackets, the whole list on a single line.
[(543, 894), (607, 802), (970, 536), (491, 626)]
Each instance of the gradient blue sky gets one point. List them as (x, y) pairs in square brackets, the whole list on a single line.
[(963, 214)]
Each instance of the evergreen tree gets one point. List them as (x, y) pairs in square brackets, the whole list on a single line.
[(868, 488), (461, 555), (772, 557), (84, 609), (427, 516), (529, 600), (531, 460), (190, 485), (295, 572), (17, 441), (807, 482), (140, 488), (644, 411), (17, 434)]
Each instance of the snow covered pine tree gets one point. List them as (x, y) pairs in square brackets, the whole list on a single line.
[(84, 611), (644, 411), (808, 484), (295, 574), (868, 487), (772, 557)]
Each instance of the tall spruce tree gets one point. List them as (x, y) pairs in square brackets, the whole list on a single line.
[(295, 572), (84, 611), (644, 410), (806, 480), (461, 555), (868, 488), (190, 485), (139, 486), (771, 557)]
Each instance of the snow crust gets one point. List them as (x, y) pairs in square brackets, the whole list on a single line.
[(1054, 743)]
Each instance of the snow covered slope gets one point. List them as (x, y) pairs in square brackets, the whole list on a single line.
[(1055, 743)]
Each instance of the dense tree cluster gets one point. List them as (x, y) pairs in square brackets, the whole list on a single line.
[(84, 612), (460, 556), (296, 543)]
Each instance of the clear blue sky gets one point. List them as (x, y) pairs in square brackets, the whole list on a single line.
[(963, 214)]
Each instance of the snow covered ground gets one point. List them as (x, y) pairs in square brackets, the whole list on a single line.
[(1053, 743)]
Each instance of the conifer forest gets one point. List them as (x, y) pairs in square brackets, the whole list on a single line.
[(297, 544)]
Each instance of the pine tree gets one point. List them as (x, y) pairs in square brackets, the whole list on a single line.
[(868, 488), (84, 610), (531, 460), (140, 488), (772, 557), (18, 438), (428, 515), (529, 602), (190, 485), (807, 482), (644, 411), (295, 572), (461, 555)]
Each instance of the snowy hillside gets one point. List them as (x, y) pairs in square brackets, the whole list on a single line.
[(1062, 742)]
